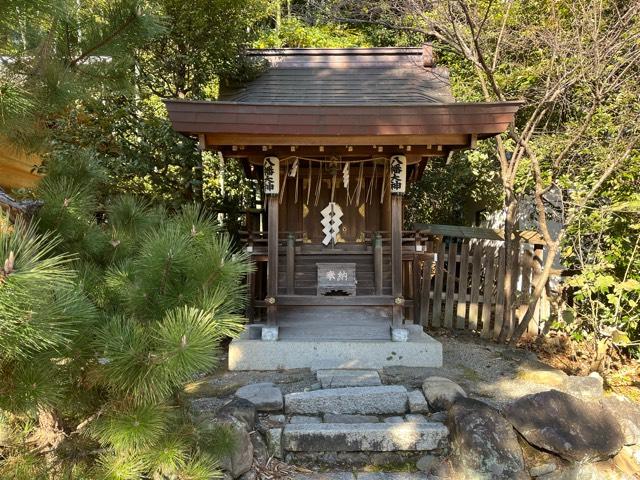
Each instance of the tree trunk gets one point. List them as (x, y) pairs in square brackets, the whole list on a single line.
[(537, 293), (510, 255)]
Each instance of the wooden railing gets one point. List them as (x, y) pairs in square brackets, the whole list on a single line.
[(453, 277), (459, 273)]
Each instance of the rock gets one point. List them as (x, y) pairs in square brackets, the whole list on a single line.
[(483, 443), (441, 392), (206, 406), (385, 458), (260, 450), (364, 437), (541, 373), (576, 430), (304, 419), (241, 409), (386, 399), (415, 418), (393, 420), (391, 476), (426, 463), (250, 475), (417, 402), (275, 420), (586, 387), (438, 417), (338, 418), (348, 378), (241, 459), (324, 476), (265, 396), (274, 442), (628, 415), (543, 469), (589, 471)]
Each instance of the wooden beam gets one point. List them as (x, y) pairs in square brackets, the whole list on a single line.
[(329, 301), (226, 139), (256, 154)]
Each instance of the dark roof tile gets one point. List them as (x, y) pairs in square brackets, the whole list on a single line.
[(344, 76)]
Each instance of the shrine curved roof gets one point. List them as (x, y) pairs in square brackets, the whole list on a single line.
[(354, 76), (348, 97)]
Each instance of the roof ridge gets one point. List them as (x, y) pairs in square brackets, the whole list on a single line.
[(352, 51)]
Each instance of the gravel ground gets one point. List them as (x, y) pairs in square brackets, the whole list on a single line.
[(485, 370)]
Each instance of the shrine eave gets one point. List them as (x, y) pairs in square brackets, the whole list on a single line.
[(453, 125)]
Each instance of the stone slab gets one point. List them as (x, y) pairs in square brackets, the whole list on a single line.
[(265, 396), (304, 419), (416, 418), (393, 420), (274, 442), (348, 378), (392, 476), (324, 476), (344, 418), (248, 352), (382, 400), (372, 437), (417, 402)]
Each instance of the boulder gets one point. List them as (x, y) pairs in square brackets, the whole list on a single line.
[(265, 396), (241, 459), (441, 392), (241, 409), (587, 387), (574, 429), (541, 373), (628, 415), (208, 406), (484, 445)]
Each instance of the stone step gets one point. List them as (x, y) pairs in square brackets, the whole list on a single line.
[(361, 476), (363, 437), (381, 400), (348, 378)]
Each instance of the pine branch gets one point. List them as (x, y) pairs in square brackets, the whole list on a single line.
[(105, 41)]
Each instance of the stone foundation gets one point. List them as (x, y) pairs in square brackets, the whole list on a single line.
[(249, 352)]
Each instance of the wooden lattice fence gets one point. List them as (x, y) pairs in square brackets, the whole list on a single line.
[(458, 278)]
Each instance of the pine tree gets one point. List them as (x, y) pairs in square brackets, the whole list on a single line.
[(97, 344)]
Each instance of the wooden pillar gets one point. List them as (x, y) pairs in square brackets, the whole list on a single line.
[(377, 262), (396, 258), (272, 262), (291, 267)]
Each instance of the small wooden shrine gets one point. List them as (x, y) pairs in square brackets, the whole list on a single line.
[(333, 136)]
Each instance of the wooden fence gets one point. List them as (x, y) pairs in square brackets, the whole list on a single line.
[(458, 277)]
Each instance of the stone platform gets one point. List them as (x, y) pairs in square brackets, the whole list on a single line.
[(249, 352)]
